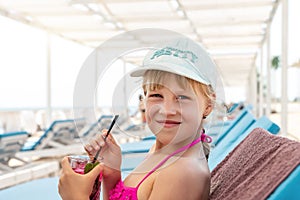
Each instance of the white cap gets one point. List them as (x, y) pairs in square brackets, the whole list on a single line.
[(183, 57)]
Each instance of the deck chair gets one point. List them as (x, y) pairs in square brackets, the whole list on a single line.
[(237, 134), (289, 188), (233, 107), (10, 144), (102, 122), (137, 147), (244, 117), (95, 128), (74, 145), (218, 129), (150, 137), (68, 131), (133, 153), (262, 166), (241, 124), (131, 161), (131, 131), (59, 130), (28, 172)]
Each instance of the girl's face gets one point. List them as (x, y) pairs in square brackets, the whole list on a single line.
[(174, 112)]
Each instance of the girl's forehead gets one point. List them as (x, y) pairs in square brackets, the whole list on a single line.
[(155, 80), (168, 78), (177, 81), (174, 85)]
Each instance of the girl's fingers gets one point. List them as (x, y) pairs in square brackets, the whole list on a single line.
[(109, 146), (104, 133), (65, 164), (95, 143), (100, 140), (112, 139), (88, 148), (107, 138)]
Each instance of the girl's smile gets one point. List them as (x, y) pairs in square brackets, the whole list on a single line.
[(169, 123)]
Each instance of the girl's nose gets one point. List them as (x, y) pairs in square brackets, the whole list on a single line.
[(168, 107)]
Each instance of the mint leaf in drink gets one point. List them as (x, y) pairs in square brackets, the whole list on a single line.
[(89, 166)]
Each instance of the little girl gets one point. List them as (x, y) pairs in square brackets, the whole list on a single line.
[(179, 94)]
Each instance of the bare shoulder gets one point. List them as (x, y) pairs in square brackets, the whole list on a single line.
[(184, 179), (190, 170)]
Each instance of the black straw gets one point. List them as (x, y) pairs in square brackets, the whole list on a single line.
[(111, 126)]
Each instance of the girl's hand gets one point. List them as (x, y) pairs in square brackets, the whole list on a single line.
[(110, 155), (76, 186)]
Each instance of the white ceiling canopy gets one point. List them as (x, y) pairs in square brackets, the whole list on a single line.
[(231, 30)]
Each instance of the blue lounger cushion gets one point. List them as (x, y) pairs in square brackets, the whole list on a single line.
[(216, 130), (238, 120), (219, 152), (150, 137), (131, 162), (9, 134), (137, 147), (289, 188)]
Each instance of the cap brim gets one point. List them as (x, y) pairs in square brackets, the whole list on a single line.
[(140, 71)]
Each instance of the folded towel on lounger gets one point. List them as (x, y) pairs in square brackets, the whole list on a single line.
[(255, 167)]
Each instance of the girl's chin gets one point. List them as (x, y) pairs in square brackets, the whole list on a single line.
[(166, 132), (164, 127)]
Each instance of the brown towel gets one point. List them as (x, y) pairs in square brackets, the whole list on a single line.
[(255, 167)]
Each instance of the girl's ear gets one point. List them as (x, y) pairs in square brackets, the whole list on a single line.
[(209, 106), (208, 110)]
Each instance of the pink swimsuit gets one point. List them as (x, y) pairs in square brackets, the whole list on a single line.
[(122, 192)]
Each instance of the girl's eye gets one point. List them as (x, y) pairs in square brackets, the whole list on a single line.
[(155, 95), (181, 97)]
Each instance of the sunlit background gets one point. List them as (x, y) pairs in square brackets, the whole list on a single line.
[(24, 76)]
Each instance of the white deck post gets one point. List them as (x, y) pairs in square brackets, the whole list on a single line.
[(268, 95), (261, 84), (284, 53), (96, 79), (48, 81), (253, 85)]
